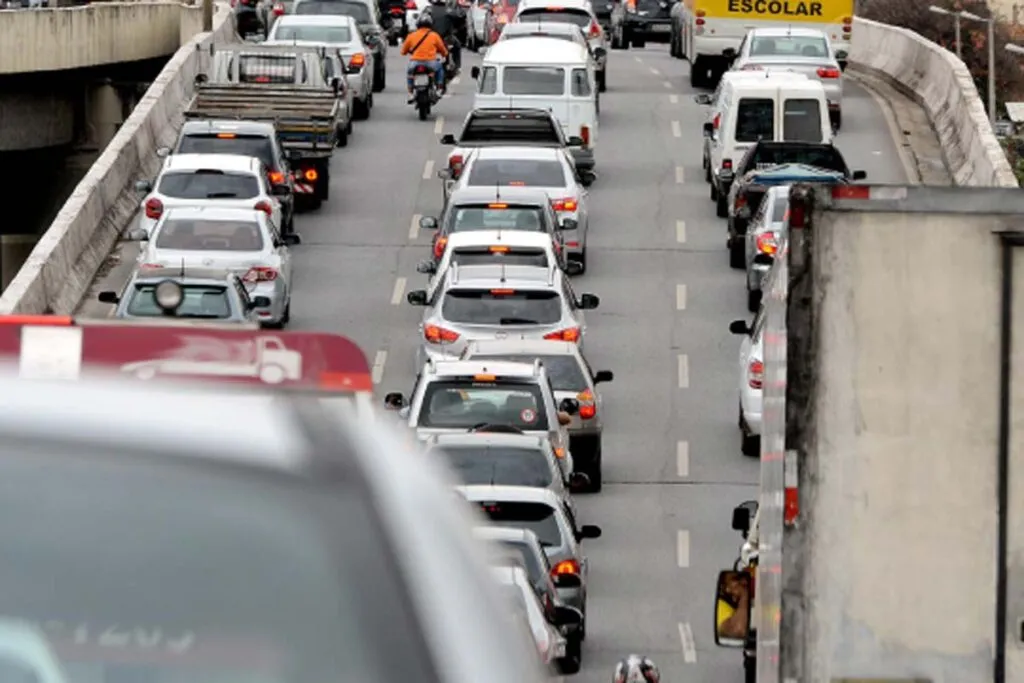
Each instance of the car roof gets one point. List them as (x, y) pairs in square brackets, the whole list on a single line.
[(505, 533), (513, 152), (463, 368), (540, 50), (493, 275), (212, 213), (476, 493), (772, 83), (262, 128), (220, 162), (480, 194), (735, 76), (512, 238), (191, 276), (523, 347), (785, 32), (316, 19), (525, 441)]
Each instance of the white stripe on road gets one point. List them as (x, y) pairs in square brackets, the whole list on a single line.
[(439, 125), (377, 373), (676, 132), (681, 231), (684, 371), (683, 548), (399, 290), (428, 169), (680, 175), (414, 226), (683, 459), (689, 646), (673, 99), (655, 71), (680, 297), (456, 80), (668, 86)]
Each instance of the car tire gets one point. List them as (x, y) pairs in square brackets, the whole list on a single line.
[(721, 205), (837, 121), (379, 78), (361, 110), (287, 317), (751, 445), (342, 135), (707, 170), (573, 660), (753, 300), (737, 257), (602, 80), (714, 190), (348, 128), (698, 71), (369, 102)]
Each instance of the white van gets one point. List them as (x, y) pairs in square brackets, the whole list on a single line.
[(543, 73), (774, 107)]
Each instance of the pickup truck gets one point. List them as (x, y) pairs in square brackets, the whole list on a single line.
[(503, 127), (285, 85)]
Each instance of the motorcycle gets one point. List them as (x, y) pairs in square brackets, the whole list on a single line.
[(424, 88), (247, 19)]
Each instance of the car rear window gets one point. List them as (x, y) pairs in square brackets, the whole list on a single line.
[(510, 35), (499, 465), (259, 146), (510, 128), (267, 69), (202, 235), (504, 307), (497, 217), (755, 119), (801, 121), (537, 517), (314, 34), (509, 256), (356, 10), (563, 371), (208, 301), (566, 16), (820, 156), (789, 46), (517, 173), (208, 184), (464, 403), (533, 80)]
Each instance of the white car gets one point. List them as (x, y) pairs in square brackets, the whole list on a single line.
[(578, 12), (751, 381), (225, 180), (762, 240), (551, 643), (413, 8), (545, 29), (244, 241)]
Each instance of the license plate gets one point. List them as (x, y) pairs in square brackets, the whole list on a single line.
[(421, 79), (661, 28)]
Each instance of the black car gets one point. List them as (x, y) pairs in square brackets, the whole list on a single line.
[(245, 138), (366, 14), (248, 18), (647, 20)]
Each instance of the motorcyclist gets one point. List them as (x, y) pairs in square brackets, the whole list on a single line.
[(447, 23), (636, 669), (425, 47)]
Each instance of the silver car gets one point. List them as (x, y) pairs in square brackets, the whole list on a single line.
[(201, 294), (545, 624), (546, 515), (550, 170), (801, 50), (762, 240), (571, 377), (246, 242), (499, 302)]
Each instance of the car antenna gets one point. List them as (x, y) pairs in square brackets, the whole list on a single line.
[(503, 273), (182, 266), (494, 473)]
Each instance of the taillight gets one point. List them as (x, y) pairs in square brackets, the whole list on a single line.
[(566, 567), (310, 174), (766, 243), (410, 4), (587, 407), (585, 135), (569, 334), (260, 274), (278, 10), (595, 30), (565, 204), (154, 208), (828, 72), (264, 206), (439, 245), (357, 61), (276, 178), (755, 374), (439, 335), (455, 164), (717, 121), (726, 164)]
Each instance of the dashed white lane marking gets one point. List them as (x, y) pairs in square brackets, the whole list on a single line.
[(676, 131), (398, 291), (684, 371), (439, 125), (681, 231), (377, 372), (683, 548), (683, 459), (680, 175), (673, 99), (689, 646), (667, 84), (638, 60), (414, 226), (428, 169), (680, 297), (655, 71), (456, 80)]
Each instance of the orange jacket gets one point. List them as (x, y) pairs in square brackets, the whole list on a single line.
[(429, 45)]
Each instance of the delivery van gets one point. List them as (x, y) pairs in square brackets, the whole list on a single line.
[(712, 29)]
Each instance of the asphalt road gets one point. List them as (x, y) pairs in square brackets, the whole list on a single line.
[(673, 468)]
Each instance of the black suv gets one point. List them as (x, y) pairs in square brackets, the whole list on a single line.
[(647, 20)]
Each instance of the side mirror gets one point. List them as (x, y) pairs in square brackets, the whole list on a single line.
[(163, 152), (568, 224), (603, 376), (842, 64), (742, 515), (588, 531), (200, 79), (428, 223), (280, 190), (445, 174), (259, 302), (417, 297), (732, 608), (578, 481), (763, 260), (569, 405), (394, 400), (137, 235), (587, 178), (426, 267), (568, 580), (448, 139), (729, 53), (293, 155), (709, 129), (575, 141), (474, 73), (567, 617), (739, 327), (859, 175), (108, 298), (291, 239), (589, 302), (702, 98), (600, 52), (573, 268), (336, 85), (143, 186)]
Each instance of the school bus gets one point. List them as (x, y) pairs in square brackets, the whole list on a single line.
[(712, 29)]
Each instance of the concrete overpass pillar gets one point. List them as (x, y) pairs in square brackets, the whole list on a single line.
[(104, 114), (36, 120)]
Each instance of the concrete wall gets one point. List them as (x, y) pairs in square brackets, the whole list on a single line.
[(92, 35), (941, 84), (71, 251)]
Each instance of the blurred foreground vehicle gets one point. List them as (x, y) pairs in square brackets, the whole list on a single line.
[(208, 536)]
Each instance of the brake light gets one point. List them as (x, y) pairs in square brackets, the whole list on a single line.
[(573, 245), (717, 121), (585, 135), (847, 21), (485, 378), (260, 274), (566, 567), (587, 408), (410, 4), (502, 292), (357, 61), (439, 245), (439, 335), (455, 163), (828, 72), (226, 136), (278, 9), (726, 164), (276, 178), (154, 208), (310, 174), (264, 206), (497, 206), (498, 250), (569, 334), (595, 30), (766, 243), (564, 204), (755, 374)]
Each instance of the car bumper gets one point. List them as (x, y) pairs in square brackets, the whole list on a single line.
[(278, 295), (652, 29), (584, 157), (834, 95), (573, 597), (584, 444), (434, 353), (756, 273), (751, 404)]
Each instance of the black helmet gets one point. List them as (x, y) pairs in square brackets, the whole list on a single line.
[(425, 20), (636, 669)]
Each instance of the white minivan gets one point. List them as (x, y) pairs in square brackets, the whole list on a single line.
[(543, 73), (776, 107)]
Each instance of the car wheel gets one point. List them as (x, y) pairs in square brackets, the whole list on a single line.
[(369, 102), (287, 317), (737, 259), (602, 80), (753, 299), (751, 445), (714, 190), (379, 77), (348, 128), (721, 205), (707, 170), (639, 43), (837, 121), (361, 110), (573, 660), (342, 140)]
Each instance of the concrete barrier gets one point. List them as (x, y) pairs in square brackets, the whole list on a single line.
[(942, 85), (69, 254)]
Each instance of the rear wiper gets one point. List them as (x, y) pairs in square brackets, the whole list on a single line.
[(221, 195), (517, 321)]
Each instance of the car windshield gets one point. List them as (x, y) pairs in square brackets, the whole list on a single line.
[(566, 16), (563, 370), (208, 184), (356, 10), (537, 517), (258, 146), (530, 560), (496, 307), (789, 46), (509, 256), (533, 80), (206, 301), (200, 235), (130, 569), (517, 173), (314, 34), (499, 465), (496, 217), (464, 403)]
